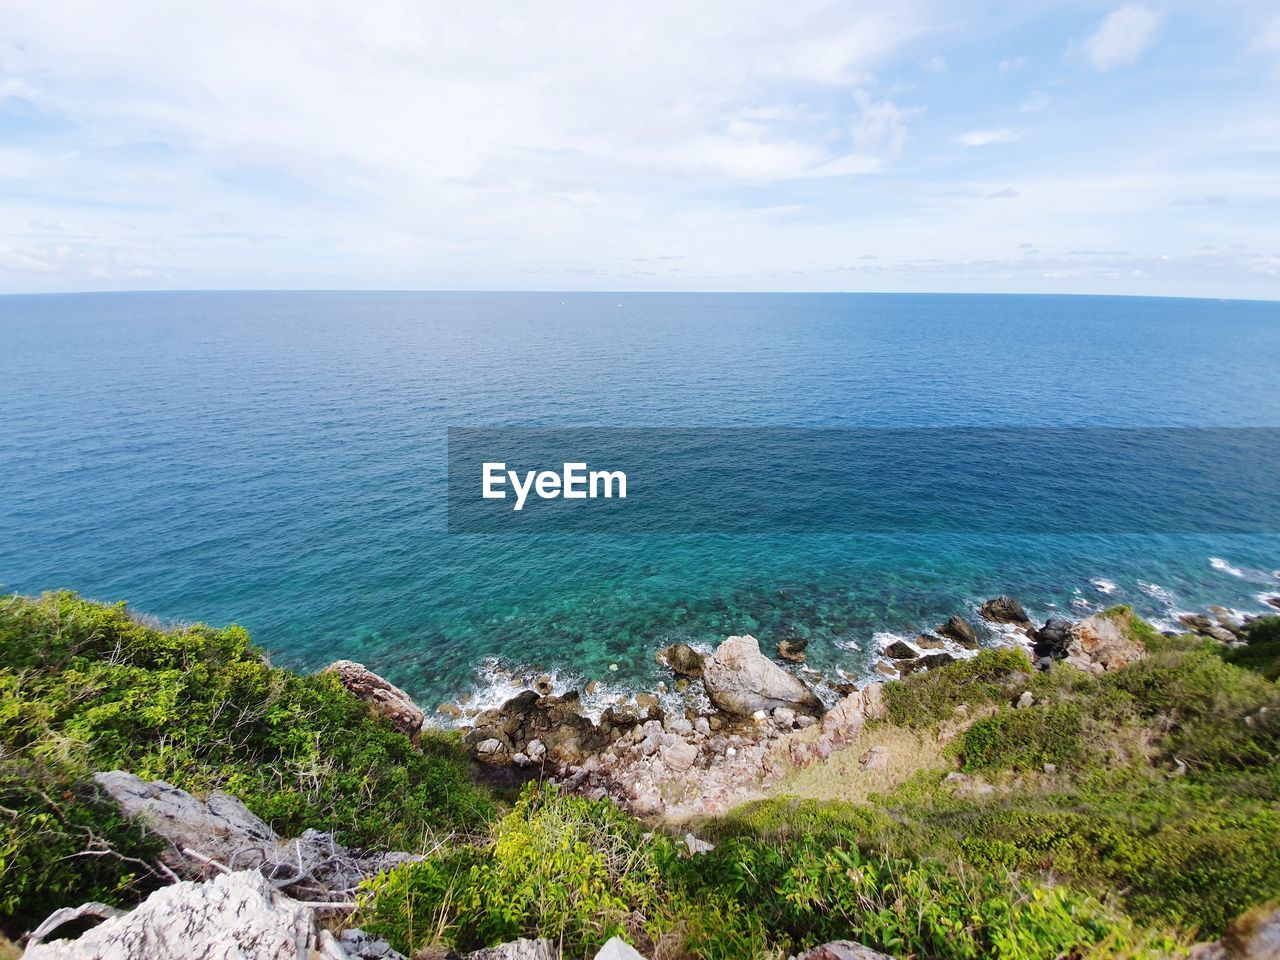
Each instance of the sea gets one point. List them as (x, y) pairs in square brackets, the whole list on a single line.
[(278, 460)]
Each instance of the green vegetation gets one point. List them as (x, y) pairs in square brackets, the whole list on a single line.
[(86, 687), (1118, 814), (579, 872)]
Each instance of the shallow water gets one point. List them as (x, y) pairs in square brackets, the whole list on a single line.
[(277, 459)]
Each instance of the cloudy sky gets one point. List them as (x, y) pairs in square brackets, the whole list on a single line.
[(753, 145)]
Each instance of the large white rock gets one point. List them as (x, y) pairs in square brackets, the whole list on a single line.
[(235, 916), (522, 949), (616, 948), (740, 680)]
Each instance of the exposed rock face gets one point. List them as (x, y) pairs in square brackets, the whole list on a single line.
[(682, 659), (844, 950), (847, 718), (926, 641), (1100, 642), (927, 662), (234, 915), (1254, 936), (961, 631), (522, 949), (384, 698), (792, 649), (740, 680), (222, 829), (898, 650), (616, 948), (1004, 609)]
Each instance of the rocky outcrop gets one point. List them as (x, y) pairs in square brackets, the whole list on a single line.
[(961, 631), (928, 662), (1004, 609), (206, 836), (682, 659), (522, 949), (1253, 936), (792, 649), (844, 950), (384, 698), (901, 650), (530, 729), (740, 680), (1104, 641), (844, 722), (231, 916)]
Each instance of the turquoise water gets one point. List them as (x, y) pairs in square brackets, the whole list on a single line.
[(277, 459)]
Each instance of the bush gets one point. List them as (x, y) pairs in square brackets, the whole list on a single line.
[(1025, 739), (86, 687), (925, 698), (1262, 651)]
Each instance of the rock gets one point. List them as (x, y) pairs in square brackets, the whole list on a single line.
[(1272, 601), (219, 827), (646, 703), (1025, 701), (696, 846), (358, 945), (233, 915), (898, 650), (1221, 634), (1104, 642), (927, 662), (927, 641), (784, 717), (679, 726), (492, 750), (844, 950), (536, 749), (847, 718), (615, 948), (680, 755), (522, 949), (384, 698), (544, 685), (1195, 622), (1254, 935), (449, 710), (740, 680), (887, 667), (592, 687), (877, 758), (961, 631), (682, 659), (792, 649), (1050, 768), (1054, 638), (1004, 609)]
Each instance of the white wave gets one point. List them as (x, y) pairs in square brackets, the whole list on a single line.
[(1080, 603), (1103, 585), (1157, 592), (1219, 564)]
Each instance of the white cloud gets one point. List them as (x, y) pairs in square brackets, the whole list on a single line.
[(1035, 103), (985, 138), (1123, 37), (1012, 63)]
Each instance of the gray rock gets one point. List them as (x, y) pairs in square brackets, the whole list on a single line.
[(844, 950), (522, 949), (384, 698), (898, 650), (961, 631), (234, 915), (1004, 609), (682, 659), (1024, 701), (359, 945), (680, 755), (618, 949), (740, 680), (926, 641), (1253, 936), (847, 718), (927, 662)]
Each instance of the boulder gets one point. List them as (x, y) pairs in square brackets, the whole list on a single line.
[(1195, 622), (844, 950), (898, 650), (847, 718), (220, 828), (1104, 642), (1054, 638), (792, 649), (384, 698), (927, 641), (740, 680), (1253, 936), (615, 948), (682, 659), (522, 949), (1005, 609), (927, 662), (961, 631), (232, 915)]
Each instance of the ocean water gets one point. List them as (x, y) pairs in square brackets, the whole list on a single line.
[(278, 460)]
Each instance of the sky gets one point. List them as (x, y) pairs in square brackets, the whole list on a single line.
[(1057, 147)]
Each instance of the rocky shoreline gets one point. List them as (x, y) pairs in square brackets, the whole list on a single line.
[(746, 721)]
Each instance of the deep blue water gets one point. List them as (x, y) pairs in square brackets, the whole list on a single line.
[(277, 459)]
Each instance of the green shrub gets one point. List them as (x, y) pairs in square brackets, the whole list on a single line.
[(925, 698), (1261, 653), (1025, 739), (86, 687)]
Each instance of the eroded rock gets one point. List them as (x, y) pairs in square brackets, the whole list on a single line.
[(384, 698), (1004, 609), (740, 680)]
